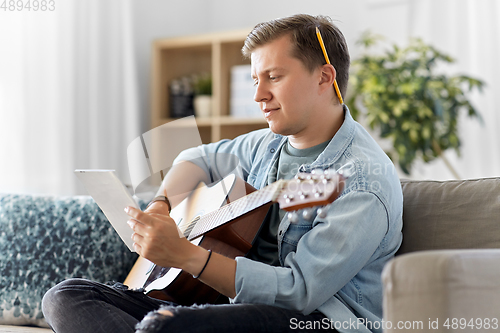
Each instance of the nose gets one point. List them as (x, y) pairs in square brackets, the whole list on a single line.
[(262, 93)]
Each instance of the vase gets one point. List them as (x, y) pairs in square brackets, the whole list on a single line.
[(203, 106)]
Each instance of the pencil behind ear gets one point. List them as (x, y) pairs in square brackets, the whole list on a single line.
[(328, 75), (337, 90)]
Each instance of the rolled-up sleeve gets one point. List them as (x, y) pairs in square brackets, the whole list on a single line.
[(325, 259), (260, 288)]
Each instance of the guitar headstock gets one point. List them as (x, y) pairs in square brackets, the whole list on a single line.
[(311, 189)]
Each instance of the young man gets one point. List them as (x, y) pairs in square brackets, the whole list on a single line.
[(321, 271)]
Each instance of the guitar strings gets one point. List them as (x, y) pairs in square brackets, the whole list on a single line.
[(230, 211)]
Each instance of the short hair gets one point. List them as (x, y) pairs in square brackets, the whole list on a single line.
[(302, 30)]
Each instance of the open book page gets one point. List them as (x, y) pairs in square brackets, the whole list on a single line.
[(112, 197)]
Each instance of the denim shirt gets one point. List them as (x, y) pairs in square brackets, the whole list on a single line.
[(331, 264)]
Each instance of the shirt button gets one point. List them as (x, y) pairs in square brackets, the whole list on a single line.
[(272, 150)]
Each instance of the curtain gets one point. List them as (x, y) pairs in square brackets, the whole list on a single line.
[(68, 94), (469, 31)]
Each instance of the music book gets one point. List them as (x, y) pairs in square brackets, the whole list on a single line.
[(112, 197)]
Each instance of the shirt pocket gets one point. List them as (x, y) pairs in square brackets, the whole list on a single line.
[(292, 236), (251, 179), (353, 291)]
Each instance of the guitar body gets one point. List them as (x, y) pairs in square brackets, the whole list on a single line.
[(232, 239)]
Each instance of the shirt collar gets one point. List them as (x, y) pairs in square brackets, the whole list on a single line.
[(337, 146)]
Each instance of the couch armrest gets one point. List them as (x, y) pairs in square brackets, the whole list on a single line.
[(433, 287)]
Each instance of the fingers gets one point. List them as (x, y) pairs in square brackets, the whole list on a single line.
[(139, 215), (142, 225), (137, 246), (138, 249), (150, 230), (136, 226), (137, 237), (148, 217), (140, 231)]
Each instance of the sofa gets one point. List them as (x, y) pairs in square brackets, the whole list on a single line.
[(448, 265), (446, 275)]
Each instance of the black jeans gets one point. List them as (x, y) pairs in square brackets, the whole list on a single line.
[(81, 306)]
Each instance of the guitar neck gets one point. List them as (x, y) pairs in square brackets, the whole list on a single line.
[(306, 190), (212, 220)]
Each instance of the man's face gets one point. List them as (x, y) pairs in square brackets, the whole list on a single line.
[(285, 90)]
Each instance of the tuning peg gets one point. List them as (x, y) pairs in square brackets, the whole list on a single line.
[(300, 176), (303, 195), (347, 171), (317, 193), (322, 212), (308, 213), (293, 217), (317, 171), (326, 171)]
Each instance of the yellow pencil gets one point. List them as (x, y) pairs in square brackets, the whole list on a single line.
[(328, 62)]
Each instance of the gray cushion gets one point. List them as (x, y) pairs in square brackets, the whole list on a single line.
[(451, 214)]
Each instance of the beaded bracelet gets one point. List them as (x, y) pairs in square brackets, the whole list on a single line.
[(206, 263)]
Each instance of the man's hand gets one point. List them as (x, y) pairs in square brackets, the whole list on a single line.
[(157, 238)]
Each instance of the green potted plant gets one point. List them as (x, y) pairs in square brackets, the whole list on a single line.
[(202, 87), (402, 93)]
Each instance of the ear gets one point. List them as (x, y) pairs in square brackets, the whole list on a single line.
[(328, 75)]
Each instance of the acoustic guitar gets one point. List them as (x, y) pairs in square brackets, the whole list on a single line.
[(229, 230)]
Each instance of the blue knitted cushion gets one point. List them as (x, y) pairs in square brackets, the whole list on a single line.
[(46, 239)]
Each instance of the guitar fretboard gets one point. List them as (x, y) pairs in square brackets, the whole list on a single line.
[(212, 220)]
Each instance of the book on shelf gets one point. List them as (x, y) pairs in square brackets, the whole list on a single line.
[(242, 102)]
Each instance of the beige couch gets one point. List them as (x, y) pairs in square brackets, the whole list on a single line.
[(446, 277), (435, 275)]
